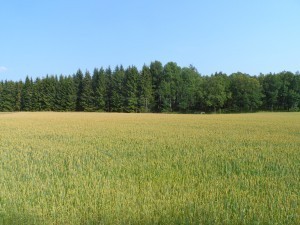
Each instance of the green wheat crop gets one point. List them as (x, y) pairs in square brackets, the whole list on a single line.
[(100, 168)]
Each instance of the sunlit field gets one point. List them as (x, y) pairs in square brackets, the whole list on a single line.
[(100, 168)]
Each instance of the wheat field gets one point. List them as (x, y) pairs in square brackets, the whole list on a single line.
[(101, 168)]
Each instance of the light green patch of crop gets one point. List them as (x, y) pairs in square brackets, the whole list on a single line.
[(100, 168)]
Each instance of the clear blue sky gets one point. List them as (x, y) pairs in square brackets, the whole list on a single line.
[(39, 37)]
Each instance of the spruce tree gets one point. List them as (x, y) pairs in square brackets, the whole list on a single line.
[(7, 96), (27, 95), (156, 70), (66, 94), (18, 95), (130, 89), (87, 96), (117, 97), (108, 89), (48, 93), (145, 98), (70, 93), (98, 83), (78, 81)]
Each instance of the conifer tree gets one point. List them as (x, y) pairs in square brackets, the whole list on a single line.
[(18, 95), (78, 81), (27, 94), (87, 96), (65, 94), (98, 82), (108, 89), (117, 96), (145, 96), (70, 93), (47, 93), (36, 90), (7, 96), (156, 70), (130, 89)]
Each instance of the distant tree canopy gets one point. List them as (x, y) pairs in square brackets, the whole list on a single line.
[(156, 88)]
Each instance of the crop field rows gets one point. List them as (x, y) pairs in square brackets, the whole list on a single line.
[(110, 168)]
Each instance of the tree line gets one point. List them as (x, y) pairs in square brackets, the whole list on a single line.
[(155, 88)]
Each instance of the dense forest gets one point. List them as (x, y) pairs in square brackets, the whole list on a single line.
[(156, 88)]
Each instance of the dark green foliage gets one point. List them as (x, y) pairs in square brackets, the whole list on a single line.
[(131, 89), (145, 92), (36, 95), (66, 94), (26, 95), (156, 88), (170, 87), (189, 90), (108, 92), (78, 81), (7, 96), (18, 95), (99, 89), (216, 91), (271, 85), (87, 95), (289, 95), (47, 93), (246, 92), (156, 70), (117, 92)]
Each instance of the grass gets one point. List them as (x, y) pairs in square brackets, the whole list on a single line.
[(99, 168)]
